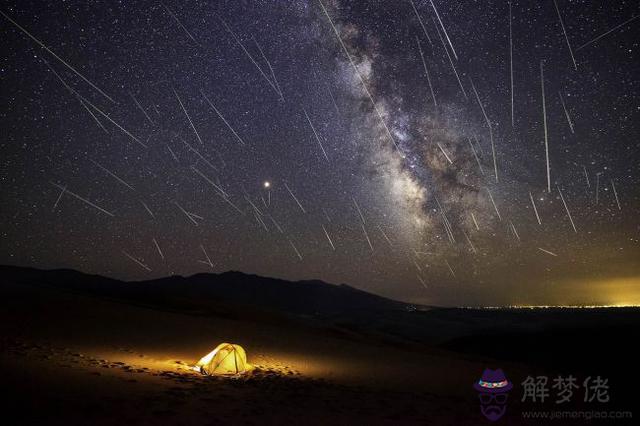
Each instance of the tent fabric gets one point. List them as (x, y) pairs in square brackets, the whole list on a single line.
[(226, 358)]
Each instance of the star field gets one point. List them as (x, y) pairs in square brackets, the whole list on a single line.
[(140, 141)]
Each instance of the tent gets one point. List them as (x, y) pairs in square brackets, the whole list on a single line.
[(227, 358)]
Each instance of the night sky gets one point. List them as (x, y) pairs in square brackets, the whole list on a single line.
[(309, 140)]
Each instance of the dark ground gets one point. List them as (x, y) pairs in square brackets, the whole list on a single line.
[(79, 349)]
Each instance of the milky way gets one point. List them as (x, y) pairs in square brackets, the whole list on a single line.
[(137, 140)]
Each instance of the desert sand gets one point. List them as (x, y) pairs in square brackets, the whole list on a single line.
[(70, 358)]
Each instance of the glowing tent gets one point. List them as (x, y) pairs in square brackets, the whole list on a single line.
[(227, 358)]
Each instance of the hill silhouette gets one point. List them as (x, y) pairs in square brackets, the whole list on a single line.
[(215, 293)]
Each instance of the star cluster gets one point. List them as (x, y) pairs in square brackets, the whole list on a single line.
[(395, 146)]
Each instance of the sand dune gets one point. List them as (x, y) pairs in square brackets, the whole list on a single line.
[(73, 358), (82, 360)]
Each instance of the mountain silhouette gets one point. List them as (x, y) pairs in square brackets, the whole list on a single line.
[(214, 293)]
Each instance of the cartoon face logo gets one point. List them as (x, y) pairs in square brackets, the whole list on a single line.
[(493, 390)]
